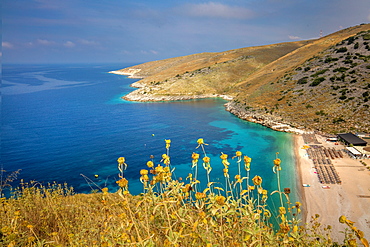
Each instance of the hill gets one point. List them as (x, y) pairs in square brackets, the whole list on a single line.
[(320, 84)]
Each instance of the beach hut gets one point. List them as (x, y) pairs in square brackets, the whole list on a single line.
[(350, 138), (354, 152)]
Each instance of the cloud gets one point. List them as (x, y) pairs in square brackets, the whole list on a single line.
[(149, 52), (294, 37), (88, 42), (45, 42), (69, 44), (7, 45), (218, 10)]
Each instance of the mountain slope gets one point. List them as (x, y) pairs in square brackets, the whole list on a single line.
[(317, 84)]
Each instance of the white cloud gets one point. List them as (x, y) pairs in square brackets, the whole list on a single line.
[(294, 37), (149, 52), (88, 42), (218, 10), (45, 42), (5, 44), (69, 44)]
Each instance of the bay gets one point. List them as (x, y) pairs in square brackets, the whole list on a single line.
[(63, 123)]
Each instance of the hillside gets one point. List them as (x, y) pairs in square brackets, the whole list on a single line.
[(320, 84)]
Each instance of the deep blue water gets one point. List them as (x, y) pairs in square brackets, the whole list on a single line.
[(61, 121)]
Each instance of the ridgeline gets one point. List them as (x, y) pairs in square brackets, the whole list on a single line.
[(321, 84)]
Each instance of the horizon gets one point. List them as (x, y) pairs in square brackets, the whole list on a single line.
[(71, 32)]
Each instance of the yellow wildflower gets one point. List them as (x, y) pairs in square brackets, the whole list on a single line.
[(122, 182), (166, 169), (121, 160), (143, 172), (342, 219), (206, 159), (200, 142), (277, 166), (282, 210), (295, 228), (168, 143), (250, 187), (202, 214), (247, 159), (200, 195), (237, 177), (150, 164), (159, 169), (195, 156), (238, 154), (105, 190), (187, 188), (165, 159), (223, 156), (277, 162), (220, 200), (257, 180)]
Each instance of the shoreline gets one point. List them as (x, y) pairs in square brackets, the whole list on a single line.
[(299, 177), (351, 198)]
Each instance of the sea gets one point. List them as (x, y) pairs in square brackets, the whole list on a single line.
[(68, 123)]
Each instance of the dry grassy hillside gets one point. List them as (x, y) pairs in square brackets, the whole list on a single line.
[(262, 79), (324, 89), (206, 73)]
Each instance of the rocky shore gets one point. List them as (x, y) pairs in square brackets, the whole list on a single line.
[(143, 97), (268, 120)]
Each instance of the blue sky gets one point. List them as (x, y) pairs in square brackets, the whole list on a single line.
[(123, 31)]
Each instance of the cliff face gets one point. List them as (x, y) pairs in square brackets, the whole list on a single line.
[(318, 84)]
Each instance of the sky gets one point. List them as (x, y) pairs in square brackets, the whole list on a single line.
[(125, 31)]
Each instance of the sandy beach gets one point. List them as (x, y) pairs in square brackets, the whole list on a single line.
[(351, 198)]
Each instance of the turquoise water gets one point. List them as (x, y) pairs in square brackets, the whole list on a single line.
[(61, 121)]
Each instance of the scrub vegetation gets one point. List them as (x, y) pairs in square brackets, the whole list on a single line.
[(194, 211)]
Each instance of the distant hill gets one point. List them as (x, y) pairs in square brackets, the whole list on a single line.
[(321, 84)]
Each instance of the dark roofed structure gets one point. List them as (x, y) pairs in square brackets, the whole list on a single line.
[(350, 138)]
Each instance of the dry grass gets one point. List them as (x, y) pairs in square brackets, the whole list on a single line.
[(169, 213)]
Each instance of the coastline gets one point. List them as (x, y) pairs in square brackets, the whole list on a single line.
[(351, 198), (299, 177), (144, 94)]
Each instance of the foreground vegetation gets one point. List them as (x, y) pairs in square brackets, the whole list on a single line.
[(169, 213)]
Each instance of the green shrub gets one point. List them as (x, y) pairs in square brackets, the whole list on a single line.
[(341, 50), (330, 59), (317, 81), (341, 69), (302, 80), (366, 36), (320, 72)]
